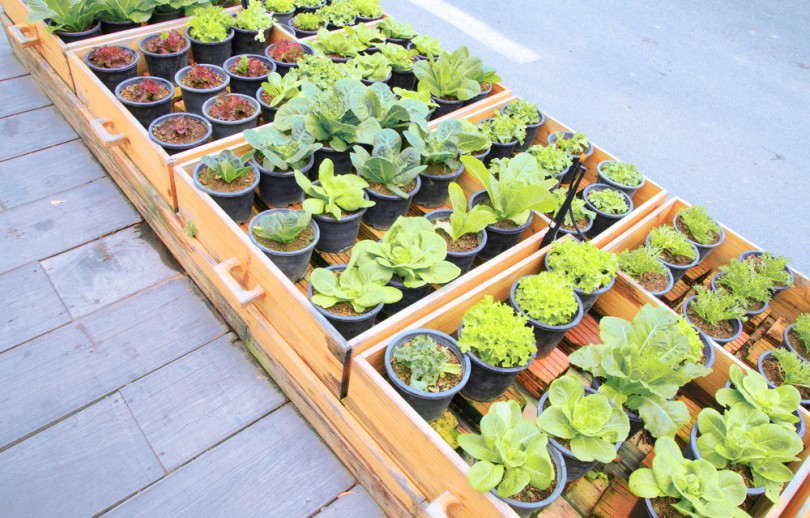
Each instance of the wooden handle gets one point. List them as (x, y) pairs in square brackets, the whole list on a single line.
[(18, 33), (110, 140), (440, 506), (244, 297)]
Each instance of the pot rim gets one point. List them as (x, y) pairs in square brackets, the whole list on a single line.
[(604, 179), (371, 313), (219, 70), (577, 318), (694, 262), (561, 476), (312, 224), (212, 192), (736, 322), (601, 186), (700, 245), (126, 68), (180, 146), (154, 54), (134, 80), (253, 102), (227, 39), (264, 59)]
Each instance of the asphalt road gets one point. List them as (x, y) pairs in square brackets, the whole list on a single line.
[(710, 98)]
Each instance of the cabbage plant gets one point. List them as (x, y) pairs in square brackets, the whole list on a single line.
[(364, 287)]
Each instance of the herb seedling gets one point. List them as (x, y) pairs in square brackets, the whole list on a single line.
[(227, 166), (462, 221), (716, 306), (334, 195), (428, 362)]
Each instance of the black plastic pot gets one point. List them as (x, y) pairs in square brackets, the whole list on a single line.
[(160, 17), (445, 107), (213, 53), (164, 65), (278, 188), (110, 27), (337, 236), (479, 97), (268, 112), (804, 402), (736, 323), (434, 189), (284, 18), (369, 82), (531, 132), (575, 468), (603, 220), (224, 129), (703, 250), (568, 176), (300, 33), (409, 296), (147, 112), (488, 382), (677, 270), (524, 509), (194, 98), (72, 37), (245, 42), (402, 79), (547, 337), (247, 85), (748, 313), (788, 342), (628, 190), (347, 326), (173, 149), (281, 67), (498, 149), (341, 160), (237, 205), (587, 299), (292, 264), (498, 239), (111, 77), (365, 19), (776, 289), (429, 405), (388, 207), (402, 42), (305, 9), (463, 260)]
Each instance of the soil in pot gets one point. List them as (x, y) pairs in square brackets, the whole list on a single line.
[(683, 229), (653, 281), (723, 330), (286, 53), (303, 240), (179, 132), (446, 382), (772, 371), (112, 64), (146, 98), (463, 252), (199, 83), (531, 494)]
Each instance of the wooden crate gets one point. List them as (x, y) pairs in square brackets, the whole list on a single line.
[(437, 468), (760, 333)]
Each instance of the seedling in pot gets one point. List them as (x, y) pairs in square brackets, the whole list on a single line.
[(799, 336), (337, 14), (427, 45), (698, 226), (751, 389), (338, 44), (772, 267), (547, 298), (137, 11), (277, 151), (388, 167), (286, 51), (210, 25), (523, 111), (227, 167), (496, 334), (644, 266), (277, 90), (372, 67), (279, 6), (609, 201), (367, 8), (551, 159), (377, 107), (687, 487), (282, 228), (425, 365), (167, 42), (739, 278), (367, 35), (145, 91), (335, 196), (229, 107), (582, 265), (64, 15), (463, 222), (308, 3), (622, 173), (111, 57), (441, 148), (789, 369), (201, 77), (308, 21), (248, 66), (674, 246), (574, 145), (451, 76), (582, 215), (364, 288), (715, 310), (255, 18), (396, 29), (503, 129), (180, 129), (400, 58)]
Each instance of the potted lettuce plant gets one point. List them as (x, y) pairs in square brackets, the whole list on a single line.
[(285, 54), (338, 46), (306, 24), (337, 15), (230, 181), (397, 32), (529, 115), (177, 132), (587, 269), (282, 10), (575, 144), (744, 282), (165, 53), (402, 61), (644, 266), (425, 46), (583, 217), (609, 204), (275, 92), (367, 10), (71, 20), (252, 29), (499, 345), (112, 64), (287, 237), (678, 254), (211, 33), (198, 83), (620, 175), (247, 72), (231, 114), (716, 313), (372, 68), (505, 133), (784, 367), (450, 79), (146, 98), (773, 267), (122, 15), (552, 160), (797, 336)]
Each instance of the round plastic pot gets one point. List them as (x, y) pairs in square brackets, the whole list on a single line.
[(670, 285), (340, 159), (147, 112), (281, 67), (301, 33), (498, 149), (164, 65), (736, 324), (788, 342), (628, 190), (463, 260), (305, 9), (110, 27), (587, 299), (409, 296), (546, 336), (748, 313), (776, 289), (292, 264), (402, 79), (224, 129), (444, 107), (247, 85), (434, 190), (337, 236), (369, 82), (703, 250), (575, 468), (524, 509), (429, 405), (268, 112), (678, 270), (237, 204), (112, 77), (480, 97), (284, 18), (583, 230), (213, 53), (603, 220), (71, 37), (173, 149), (194, 98), (498, 239), (278, 188), (531, 132), (160, 17), (804, 402), (402, 42), (244, 42), (568, 176), (488, 382), (347, 326), (388, 207)]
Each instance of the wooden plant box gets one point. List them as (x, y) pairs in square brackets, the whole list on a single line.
[(760, 333), (437, 469)]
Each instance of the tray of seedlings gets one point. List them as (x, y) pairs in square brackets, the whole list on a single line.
[(516, 398)]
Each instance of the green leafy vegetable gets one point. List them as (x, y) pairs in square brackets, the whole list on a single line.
[(279, 6), (609, 201), (364, 288), (577, 206), (427, 45), (335, 194), (227, 166), (751, 389), (307, 21), (802, 328), (339, 14), (462, 221), (576, 144), (255, 18), (282, 226), (281, 151), (622, 173), (551, 159), (137, 11), (373, 67), (210, 24), (716, 306), (323, 72), (547, 298), (378, 107), (703, 228), (367, 35), (340, 44), (392, 28), (774, 268), (636, 263), (446, 143), (522, 111), (401, 59), (740, 278), (281, 89), (388, 164), (427, 360), (795, 371), (667, 238), (496, 334), (584, 266), (65, 15), (367, 8), (451, 76), (502, 128)]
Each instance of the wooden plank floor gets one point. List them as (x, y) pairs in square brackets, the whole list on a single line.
[(122, 391)]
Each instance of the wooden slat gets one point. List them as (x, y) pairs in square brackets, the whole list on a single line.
[(20, 95), (354, 502), (9, 65), (16, 10), (32, 131)]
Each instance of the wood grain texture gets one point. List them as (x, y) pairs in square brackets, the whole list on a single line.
[(78, 364), (104, 271), (41, 229), (277, 467), (32, 131), (356, 502), (20, 95), (29, 306), (201, 399), (78, 467), (31, 177)]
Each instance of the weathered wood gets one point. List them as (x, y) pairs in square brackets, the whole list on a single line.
[(104, 271), (32, 131), (41, 229), (20, 95), (80, 466), (26, 180), (10, 66), (290, 476), (355, 502), (201, 399), (29, 306)]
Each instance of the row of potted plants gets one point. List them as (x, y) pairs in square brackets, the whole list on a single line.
[(305, 17)]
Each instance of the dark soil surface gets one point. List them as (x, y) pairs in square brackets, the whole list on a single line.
[(439, 170), (774, 373), (208, 178), (722, 329), (652, 281), (465, 243), (131, 93), (302, 241), (680, 260), (165, 131), (382, 189), (801, 348), (531, 494), (663, 506), (683, 229), (446, 382)]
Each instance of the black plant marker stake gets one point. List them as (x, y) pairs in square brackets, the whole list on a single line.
[(557, 222)]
